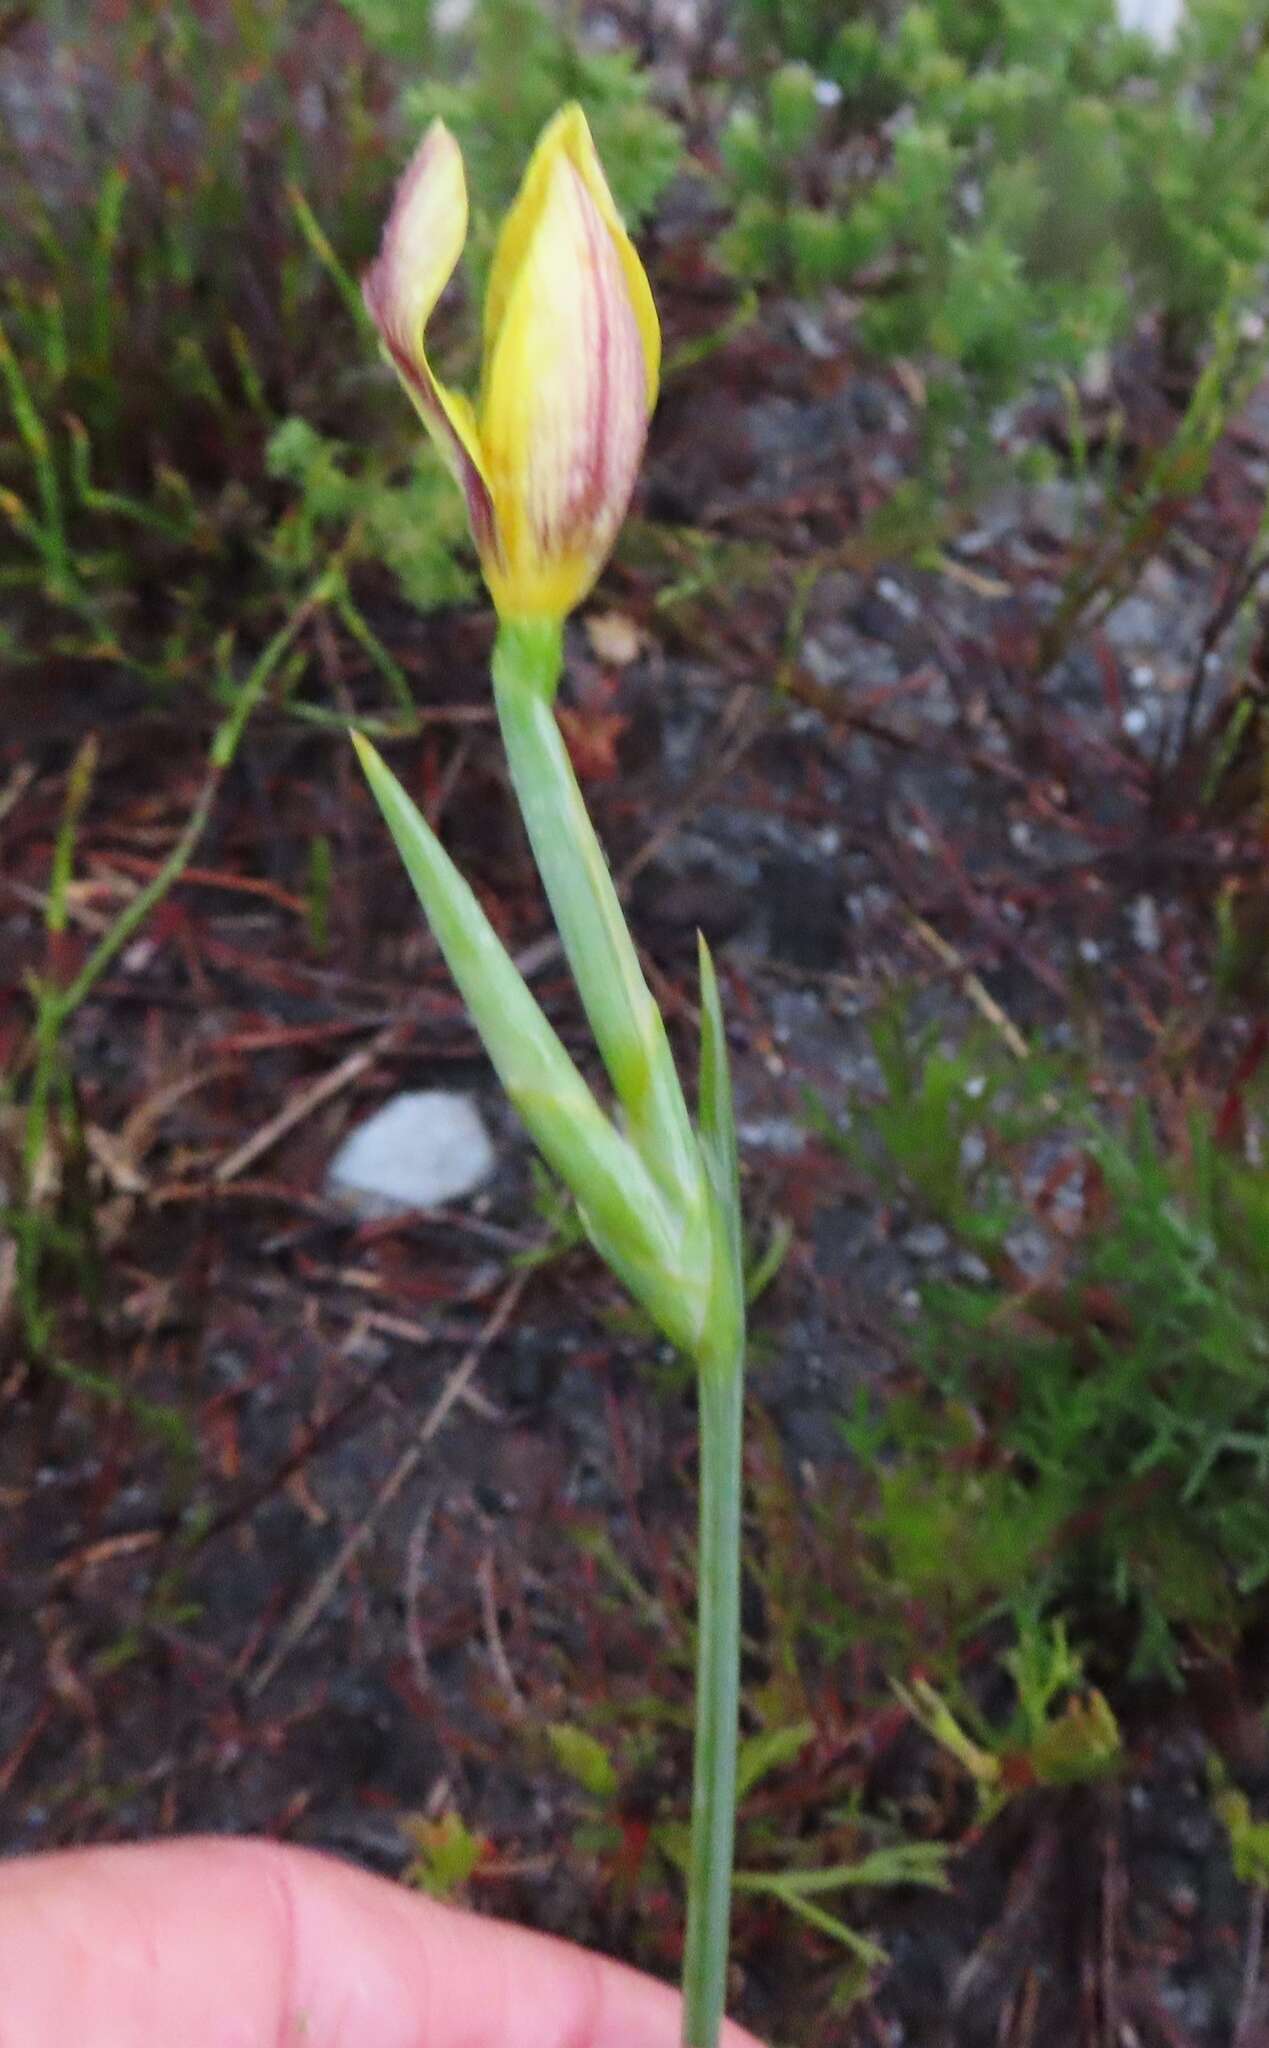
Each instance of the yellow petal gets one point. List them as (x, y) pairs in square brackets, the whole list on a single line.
[(568, 137), (565, 410), (422, 241)]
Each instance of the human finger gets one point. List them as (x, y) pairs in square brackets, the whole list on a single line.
[(222, 1943)]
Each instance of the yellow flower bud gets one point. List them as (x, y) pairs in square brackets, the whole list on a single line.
[(572, 351)]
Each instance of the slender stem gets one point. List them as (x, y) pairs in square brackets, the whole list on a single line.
[(722, 1396), (628, 1027), (699, 1176)]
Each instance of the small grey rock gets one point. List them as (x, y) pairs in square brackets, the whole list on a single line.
[(1134, 623), (1145, 924), (925, 1241)]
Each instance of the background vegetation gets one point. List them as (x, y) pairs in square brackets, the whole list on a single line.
[(1031, 1539)]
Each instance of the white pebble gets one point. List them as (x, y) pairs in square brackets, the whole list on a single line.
[(1159, 20), (418, 1151)]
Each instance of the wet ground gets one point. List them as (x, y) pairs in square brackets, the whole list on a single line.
[(383, 1500)]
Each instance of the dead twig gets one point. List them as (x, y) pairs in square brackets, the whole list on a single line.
[(996, 1956), (415, 1553), (981, 998), (302, 1105), (324, 1586), (493, 1636), (16, 788)]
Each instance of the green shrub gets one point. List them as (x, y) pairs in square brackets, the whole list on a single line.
[(412, 524), (1005, 187), (498, 93), (180, 297), (1095, 1436)]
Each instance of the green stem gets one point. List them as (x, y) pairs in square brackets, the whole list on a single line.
[(627, 1024), (722, 1396)]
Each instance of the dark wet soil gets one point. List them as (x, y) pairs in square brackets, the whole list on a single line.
[(431, 1500)]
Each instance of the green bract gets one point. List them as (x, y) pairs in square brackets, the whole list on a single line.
[(659, 1203)]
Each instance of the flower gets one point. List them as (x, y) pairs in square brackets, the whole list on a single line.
[(548, 459)]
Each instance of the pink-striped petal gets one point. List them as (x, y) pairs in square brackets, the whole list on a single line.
[(422, 241)]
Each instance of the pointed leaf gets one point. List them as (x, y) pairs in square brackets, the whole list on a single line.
[(620, 1204), (584, 1758), (717, 1116)]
